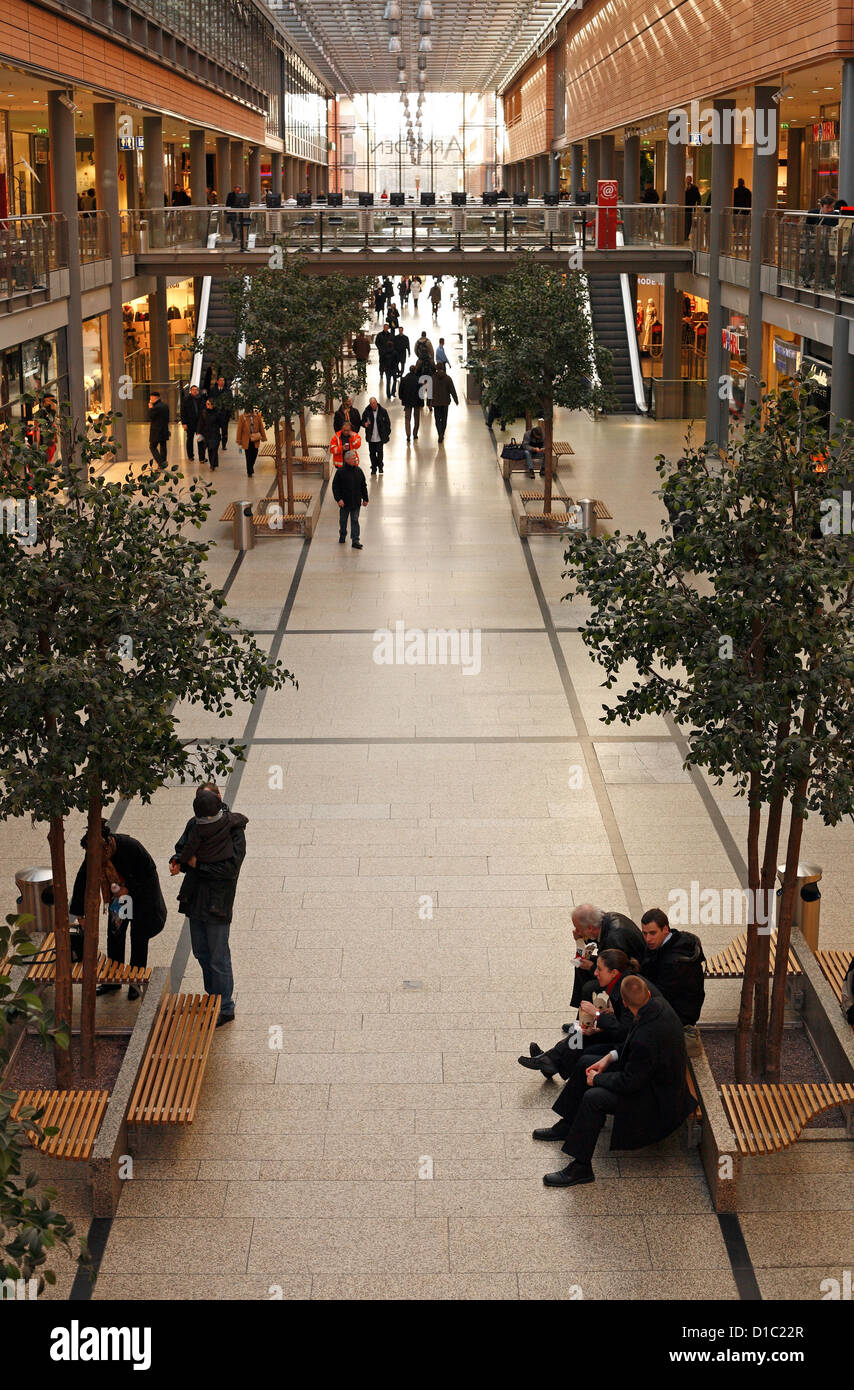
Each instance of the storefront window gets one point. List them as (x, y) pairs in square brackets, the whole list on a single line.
[(36, 365), (181, 320), (95, 366)]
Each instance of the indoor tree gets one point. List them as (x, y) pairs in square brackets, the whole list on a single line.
[(740, 623), (107, 621), (543, 351)]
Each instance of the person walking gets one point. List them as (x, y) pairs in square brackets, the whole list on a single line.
[(444, 392), (401, 347), (411, 400), (379, 301), (404, 290), (377, 426), (250, 435), (210, 854), (692, 200), (223, 405), (192, 405), (158, 427), (435, 297), (441, 355), (350, 490), (231, 217), (342, 441), (424, 349), (393, 317), (346, 412), (130, 889), (416, 286), (209, 429), (388, 359), (361, 352)]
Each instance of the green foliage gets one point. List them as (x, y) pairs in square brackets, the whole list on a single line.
[(30, 1225), (543, 353), (105, 623)]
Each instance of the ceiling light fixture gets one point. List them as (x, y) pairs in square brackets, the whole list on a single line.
[(425, 44), (392, 10), (394, 44), (425, 10)]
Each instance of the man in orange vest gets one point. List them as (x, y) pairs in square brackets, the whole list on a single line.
[(345, 441)]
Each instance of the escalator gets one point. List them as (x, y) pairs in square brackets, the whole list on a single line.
[(608, 301), (215, 317)]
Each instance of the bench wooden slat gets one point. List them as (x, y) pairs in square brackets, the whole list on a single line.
[(834, 966), (768, 1118), (43, 967), (728, 964), (76, 1116), (170, 1079)]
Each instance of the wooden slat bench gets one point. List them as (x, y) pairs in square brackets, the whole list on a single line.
[(170, 1078), (767, 1119), (600, 511), (728, 964), (110, 972), (562, 448), (76, 1116), (834, 966)]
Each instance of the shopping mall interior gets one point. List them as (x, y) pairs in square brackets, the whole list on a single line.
[(625, 236)]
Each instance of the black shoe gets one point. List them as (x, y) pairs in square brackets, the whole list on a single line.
[(133, 992), (408, 439), (373, 472), (532, 1063), (415, 436), (107, 989), (535, 1050), (572, 1176), (223, 1019), (554, 1132), (357, 545), (341, 540), (567, 1027)]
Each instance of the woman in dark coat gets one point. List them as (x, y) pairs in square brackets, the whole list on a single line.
[(127, 864), (604, 1027)]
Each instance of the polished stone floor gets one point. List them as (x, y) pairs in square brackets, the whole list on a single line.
[(417, 837)]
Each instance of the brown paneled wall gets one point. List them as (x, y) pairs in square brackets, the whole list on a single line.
[(529, 111), (39, 38), (628, 59)]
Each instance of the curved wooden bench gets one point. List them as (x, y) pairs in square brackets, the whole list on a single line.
[(728, 964), (43, 967), (834, 966), (76, 1116), (170, 1078), (767, 1119)]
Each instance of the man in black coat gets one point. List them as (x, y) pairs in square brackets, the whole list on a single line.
[(388, 358), (642, 1083), (146, 910), (192, 405), (350, 490), (223, 405), (158, 427), (207, 898), (377, 426), (673, 961), (605, 929), (410, 398), (401, 347), (346, 411)]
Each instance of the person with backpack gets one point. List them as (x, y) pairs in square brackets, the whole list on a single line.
[(350, 490), (411, 400)]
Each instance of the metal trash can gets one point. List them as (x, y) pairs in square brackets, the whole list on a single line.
[(807, 901), (588, 515), (244, 527), (35, 890)]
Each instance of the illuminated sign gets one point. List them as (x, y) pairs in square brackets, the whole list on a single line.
[(825, 130)]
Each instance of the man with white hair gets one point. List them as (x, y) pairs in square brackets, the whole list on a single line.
[(608, 930)]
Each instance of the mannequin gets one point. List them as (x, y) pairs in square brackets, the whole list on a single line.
[(648, 320)]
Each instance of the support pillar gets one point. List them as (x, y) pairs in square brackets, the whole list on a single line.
[(764, 175), (846, 133), (275, 172), (659, 176), (158, 328), (152, 169), (717, 410), (554, 173), (674, 189), (593, 168), (237, 177), (842, 378), (671, 344), (198, 169), (631, 169), (576, 164), (606, 157), (223, 167), (794, 157), (63, 178), (255, 175), (107, 195)]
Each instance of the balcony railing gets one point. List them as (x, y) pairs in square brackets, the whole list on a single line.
[(816, 253), (93, 230), (30, 248)]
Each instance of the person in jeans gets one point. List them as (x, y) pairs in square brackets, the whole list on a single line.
[(350, 490), (444, 391), (208, 890), (377, 426), (533, 443), (410, 397)]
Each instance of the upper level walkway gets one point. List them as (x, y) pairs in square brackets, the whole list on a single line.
[(443, 239)]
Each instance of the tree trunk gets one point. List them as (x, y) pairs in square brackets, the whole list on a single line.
[(62, 990), (303, 437), (784, 934), (289, 467), (91, 917), (767, 897), (748, 983), (277, 439), (327, 379), (547, 441)]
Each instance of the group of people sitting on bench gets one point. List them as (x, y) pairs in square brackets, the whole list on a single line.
[(638, 992)]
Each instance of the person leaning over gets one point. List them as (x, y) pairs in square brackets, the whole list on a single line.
[(534, 445)]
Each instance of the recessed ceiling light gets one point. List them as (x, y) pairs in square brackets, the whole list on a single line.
[(830, 89)]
